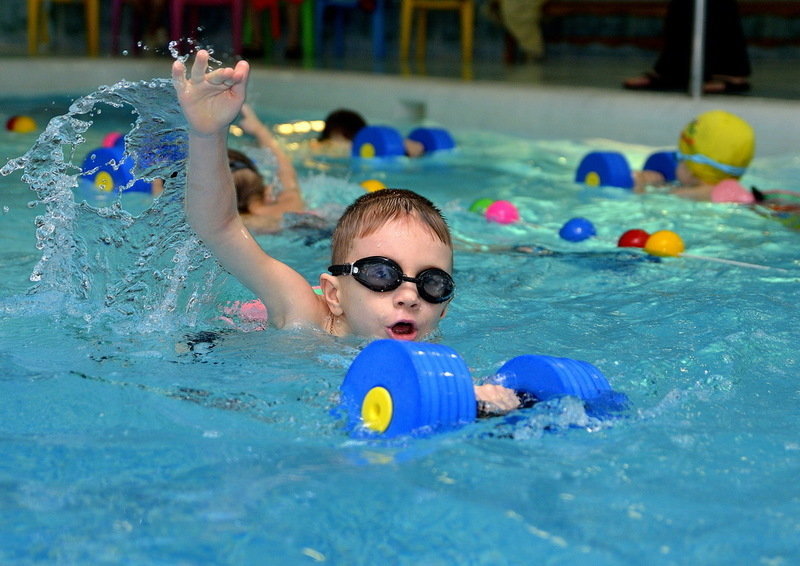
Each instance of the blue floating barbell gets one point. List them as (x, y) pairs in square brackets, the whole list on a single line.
[(378, 141), (433, 139), (108, 169), (395, 387), (611, 169), (385, 141), (605, 168), (665, 162)]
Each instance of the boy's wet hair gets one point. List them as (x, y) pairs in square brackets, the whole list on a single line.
[(371, 211), (345, 122), (247, 179)]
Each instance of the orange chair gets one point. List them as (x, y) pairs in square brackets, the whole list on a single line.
[(237, 16), (37, 27), (466, 10)]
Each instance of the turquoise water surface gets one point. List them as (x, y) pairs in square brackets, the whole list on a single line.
[(138, 426)]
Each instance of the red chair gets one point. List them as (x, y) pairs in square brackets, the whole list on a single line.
[(273, 6), (237, 16)]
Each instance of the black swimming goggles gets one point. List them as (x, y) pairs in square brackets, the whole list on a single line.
[(382, 274)]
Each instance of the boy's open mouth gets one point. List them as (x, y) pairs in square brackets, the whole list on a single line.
[(403, 330)]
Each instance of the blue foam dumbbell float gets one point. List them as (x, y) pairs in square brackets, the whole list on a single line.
[(107, 169), (611, 168), (385, 141), (396, 388)]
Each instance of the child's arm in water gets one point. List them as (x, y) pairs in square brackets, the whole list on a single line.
[(647, 178), (286, 174), (210, 101), (496, 399)]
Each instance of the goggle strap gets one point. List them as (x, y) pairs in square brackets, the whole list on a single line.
[(705, 160)]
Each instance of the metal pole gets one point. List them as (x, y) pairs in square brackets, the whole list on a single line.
[(696, 77)]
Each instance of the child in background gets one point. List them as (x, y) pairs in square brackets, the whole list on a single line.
[(715, 146), (392, 253), (260, 205), (341, 127)]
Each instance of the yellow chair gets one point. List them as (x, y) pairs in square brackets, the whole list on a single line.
[(37, 25), (407, 9)]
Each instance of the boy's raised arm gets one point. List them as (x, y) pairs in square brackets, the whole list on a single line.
[(210, 101)]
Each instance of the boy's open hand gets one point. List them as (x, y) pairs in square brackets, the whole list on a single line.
[(496, 399), (210, 100)]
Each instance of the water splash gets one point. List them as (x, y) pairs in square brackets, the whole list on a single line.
[(113, 262)]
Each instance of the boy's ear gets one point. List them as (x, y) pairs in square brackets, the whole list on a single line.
[(330, 292)]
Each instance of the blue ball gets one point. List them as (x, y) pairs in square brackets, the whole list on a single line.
[(577, 230)]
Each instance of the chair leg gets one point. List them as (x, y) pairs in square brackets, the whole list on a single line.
[(307, 27), (34, 14), (319, 20), (93, 27), (378, 30), (338, 35), (467, 31), (175, 20), (270, 19), (422, 32), (406, 13), (275, 20), (237, 17), (116, 25)]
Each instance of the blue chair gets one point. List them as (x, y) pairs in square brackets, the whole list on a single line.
[(341, 7)]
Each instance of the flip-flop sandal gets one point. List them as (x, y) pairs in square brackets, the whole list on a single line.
[(722, 86), (650, 81)]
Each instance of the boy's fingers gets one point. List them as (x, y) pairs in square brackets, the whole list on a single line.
[(178, 73), (199, 66), (241, 72)]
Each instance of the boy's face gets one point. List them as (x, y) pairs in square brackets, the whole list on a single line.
[(400, 313)]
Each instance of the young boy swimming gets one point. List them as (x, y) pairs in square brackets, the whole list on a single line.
[(341, 127), (260, 205), (715, 146), (392, 253)]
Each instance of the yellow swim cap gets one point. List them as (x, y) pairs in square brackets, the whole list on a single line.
[(717, 145)]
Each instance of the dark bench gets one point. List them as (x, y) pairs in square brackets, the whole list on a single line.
[(566, 21)]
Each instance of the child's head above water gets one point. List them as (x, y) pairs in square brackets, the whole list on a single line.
[(373, 210), (248, 181), (392, 258), (716, 145), (342, 124)]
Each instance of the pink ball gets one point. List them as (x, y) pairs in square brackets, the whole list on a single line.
[(502, 212), (111, 139), (730, 190)]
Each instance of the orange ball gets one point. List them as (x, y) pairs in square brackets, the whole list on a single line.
[(664, 243)]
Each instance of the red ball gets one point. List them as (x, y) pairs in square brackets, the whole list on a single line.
[(633, 239)]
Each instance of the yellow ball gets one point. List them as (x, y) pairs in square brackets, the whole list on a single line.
[(21, 124), (664, 243), (372, 185)]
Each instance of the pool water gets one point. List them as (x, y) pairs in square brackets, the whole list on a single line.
[(139, 426)]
